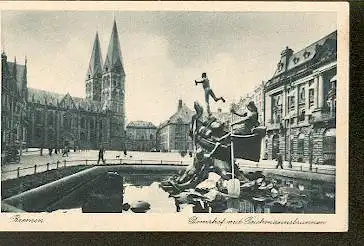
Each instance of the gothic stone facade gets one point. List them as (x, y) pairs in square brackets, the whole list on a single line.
[(300, 104), (13, 104), (55, 120), (141, 136)]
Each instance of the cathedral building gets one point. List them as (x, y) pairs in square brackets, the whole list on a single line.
[(13, 104), (52, 120)]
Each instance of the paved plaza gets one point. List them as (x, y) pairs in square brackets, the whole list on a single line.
[(32, 158)]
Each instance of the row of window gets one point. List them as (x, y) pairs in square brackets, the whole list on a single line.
[(328, 145), (51, 135), (67, 120)]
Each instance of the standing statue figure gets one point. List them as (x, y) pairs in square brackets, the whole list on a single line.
[(208, 92)]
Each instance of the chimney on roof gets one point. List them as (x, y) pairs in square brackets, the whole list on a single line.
[(179, 104), (286, 55), (219, 110)]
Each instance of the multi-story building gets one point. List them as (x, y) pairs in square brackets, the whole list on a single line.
[(141, 136), (300, 104), (55, 120), (258, 97), (173, 134), (13, 104)]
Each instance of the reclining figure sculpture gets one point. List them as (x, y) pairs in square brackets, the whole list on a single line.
[(213, 141)]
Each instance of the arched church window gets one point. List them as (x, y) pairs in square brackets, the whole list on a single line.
[(83, 123), (50, 118), (51, 137), (38, 132), (67, 121), (38, 117)]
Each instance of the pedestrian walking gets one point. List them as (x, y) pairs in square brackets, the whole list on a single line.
[(65, 151), (101, 155), (279, 160)]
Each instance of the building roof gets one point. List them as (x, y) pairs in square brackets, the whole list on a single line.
[(44, 97), (95, 64), (305, 55), (113, 59), (55, 99), (141, 124), (182, 116)]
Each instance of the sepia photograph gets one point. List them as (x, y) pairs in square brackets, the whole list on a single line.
[(172, 112)]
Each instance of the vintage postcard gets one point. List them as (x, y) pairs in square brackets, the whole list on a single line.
[(174, 116)]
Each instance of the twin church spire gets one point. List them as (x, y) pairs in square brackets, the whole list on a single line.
[(113, 61), (97, 69), (95, 65)]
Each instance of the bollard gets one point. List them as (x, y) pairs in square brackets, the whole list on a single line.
[(35, 168), (181, 162), (64, 163), (86, 162), (316, 169), (47, 166), (257, 164), (301, 168), (18, 172), (141, 161), (120, 160), (57, 164), (161, 162)]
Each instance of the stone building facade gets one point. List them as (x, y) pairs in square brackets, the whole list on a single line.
[(173, 134), (55, 120), (141, 136), (300, 104), (13, 104)]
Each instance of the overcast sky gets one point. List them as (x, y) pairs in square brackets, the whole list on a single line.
[(163, 52)]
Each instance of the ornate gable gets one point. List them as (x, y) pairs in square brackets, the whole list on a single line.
[(67, 102)]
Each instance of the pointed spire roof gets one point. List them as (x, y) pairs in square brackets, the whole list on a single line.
[(95, 65), (113, 59)]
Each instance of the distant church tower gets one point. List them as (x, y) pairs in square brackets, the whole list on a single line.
[(94, 73), (113, 90)]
